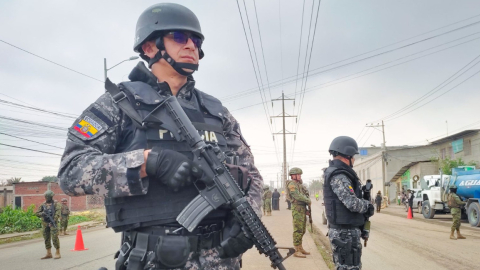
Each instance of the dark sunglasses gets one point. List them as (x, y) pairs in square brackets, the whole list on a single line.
[(182, 38)]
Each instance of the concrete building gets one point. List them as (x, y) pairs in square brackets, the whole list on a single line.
[(402, 167), (28, 193)]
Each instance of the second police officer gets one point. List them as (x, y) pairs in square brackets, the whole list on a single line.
[(145, 175), (345, 208)]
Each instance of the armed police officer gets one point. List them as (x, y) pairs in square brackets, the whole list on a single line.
[(345, 208), (49, 212), (455, 204), (115, 149)]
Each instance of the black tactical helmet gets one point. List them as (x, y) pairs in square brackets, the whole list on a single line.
[(158, 19), (343, 145)]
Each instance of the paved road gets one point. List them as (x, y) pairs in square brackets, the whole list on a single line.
[(101, 243), (400, 243)]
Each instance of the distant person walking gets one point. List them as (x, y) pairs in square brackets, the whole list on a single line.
[(378, 201), (275, 200)]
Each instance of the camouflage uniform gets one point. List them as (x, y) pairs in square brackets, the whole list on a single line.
[(95, 166), (50, 233), (267, 201), (454, 202), (65, 213), (300, 199), (341, 186)]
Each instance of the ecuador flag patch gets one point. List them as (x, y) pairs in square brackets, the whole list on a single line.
[(88, 127)]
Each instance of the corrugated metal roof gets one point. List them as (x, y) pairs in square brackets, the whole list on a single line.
[(455, 136)]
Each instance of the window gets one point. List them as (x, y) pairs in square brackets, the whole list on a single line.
[(443, 153), (467, 147), (450, 153)]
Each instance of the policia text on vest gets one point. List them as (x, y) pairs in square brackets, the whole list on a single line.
[(218, 187)]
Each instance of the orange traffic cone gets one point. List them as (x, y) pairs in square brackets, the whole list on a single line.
[(79, 241), (410, 215)]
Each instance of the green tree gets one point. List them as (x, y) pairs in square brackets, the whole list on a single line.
[(315, 186), (448, 164), (49, 179), (13, 180)]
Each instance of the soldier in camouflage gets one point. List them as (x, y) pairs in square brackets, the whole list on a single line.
[(345, 208), (65, 213), (455, 204), (50, 210), (300, 198), (109, 153), (267, 201)]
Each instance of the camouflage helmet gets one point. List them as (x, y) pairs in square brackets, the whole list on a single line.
[(295, 170), (49, 194), (266, 187), (453, 187), (64, 200)]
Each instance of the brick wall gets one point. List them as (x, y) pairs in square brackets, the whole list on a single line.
[(33, 193)]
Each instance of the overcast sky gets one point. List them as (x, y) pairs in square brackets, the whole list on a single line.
[(377, 42)]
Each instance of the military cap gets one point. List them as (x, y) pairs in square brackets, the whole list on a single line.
[(295, 170)]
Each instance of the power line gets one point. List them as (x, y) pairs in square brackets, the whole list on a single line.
[(37, 109), (320, 86), (31, 141), (32, 123), (436, 97), (433, 91), (43, 58), (308, 69), (29, 149), (360, 60)]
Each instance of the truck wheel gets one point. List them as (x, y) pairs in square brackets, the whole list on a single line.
[(427, 210), (474, 214), (324, 219)]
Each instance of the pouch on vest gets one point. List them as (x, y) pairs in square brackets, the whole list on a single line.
[(240, 174), (172, 251)]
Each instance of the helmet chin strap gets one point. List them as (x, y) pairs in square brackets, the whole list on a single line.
[(175, 65)]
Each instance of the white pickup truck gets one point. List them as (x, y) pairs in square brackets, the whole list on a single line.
[(433, 195)]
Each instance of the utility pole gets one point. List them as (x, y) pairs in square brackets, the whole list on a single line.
[(384, 155), (284, 132)]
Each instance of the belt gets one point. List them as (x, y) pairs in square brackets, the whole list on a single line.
[(142, 241), (341, 226)]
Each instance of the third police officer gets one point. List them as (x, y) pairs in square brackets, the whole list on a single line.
[(346, 210)]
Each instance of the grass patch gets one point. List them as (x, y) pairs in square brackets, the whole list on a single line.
[(323, 246), (77, 219)]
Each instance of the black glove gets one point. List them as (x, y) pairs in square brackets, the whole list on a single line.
[(236, 241), (370, 211), (172, 168)]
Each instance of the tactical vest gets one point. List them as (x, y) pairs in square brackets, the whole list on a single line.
[(336, 211), (161, 206)]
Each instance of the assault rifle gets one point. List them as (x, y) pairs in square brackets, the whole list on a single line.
[(309, 215), (48, 215), (218, 187), (367, 188)]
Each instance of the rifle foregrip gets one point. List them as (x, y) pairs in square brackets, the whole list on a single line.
[(194, 212)]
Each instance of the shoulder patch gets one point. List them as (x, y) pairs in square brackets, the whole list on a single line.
[(88, 127)]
